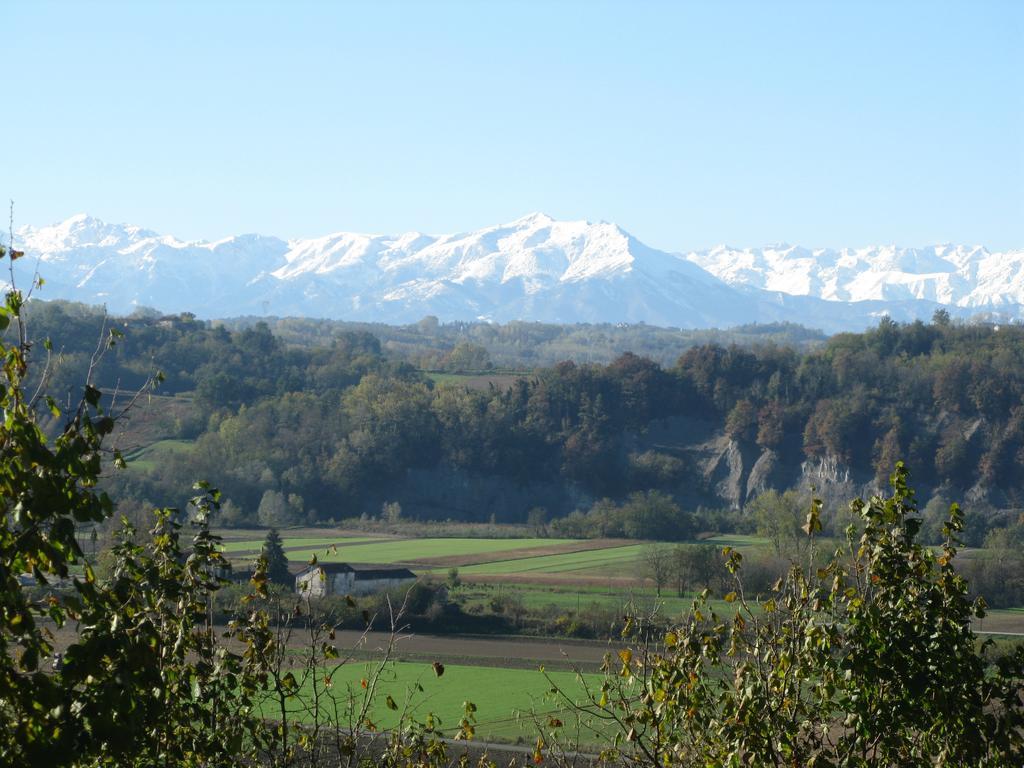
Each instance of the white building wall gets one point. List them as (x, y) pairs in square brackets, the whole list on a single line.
[(317, 583), (311, 584), (341, 584)]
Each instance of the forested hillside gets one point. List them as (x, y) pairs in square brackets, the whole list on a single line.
[(312, 432)]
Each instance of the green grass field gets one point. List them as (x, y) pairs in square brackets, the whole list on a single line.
[(506, 699), (738, 541), (255, 545), (418, 550), (148, 458), (494, 558), (450, 378), (501, 380), (598, 561), (573, 598)]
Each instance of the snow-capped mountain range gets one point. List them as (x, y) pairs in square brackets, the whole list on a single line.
[(534, 268), (952, 275)]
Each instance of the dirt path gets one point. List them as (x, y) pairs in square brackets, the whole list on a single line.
[(512, 652), (1000, 623), (503, 652)]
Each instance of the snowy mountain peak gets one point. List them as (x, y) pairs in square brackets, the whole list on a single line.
[(535, 219), (534, 267), (81, 230)]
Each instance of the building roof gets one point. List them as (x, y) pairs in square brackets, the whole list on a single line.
[(329, 568), (362, 573)]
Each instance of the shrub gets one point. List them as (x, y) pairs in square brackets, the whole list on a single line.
[(868, 660)]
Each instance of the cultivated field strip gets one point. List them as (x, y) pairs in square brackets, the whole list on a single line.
[(255, 545), (411, 551), (527, 558), (570, 562), (581, 545)]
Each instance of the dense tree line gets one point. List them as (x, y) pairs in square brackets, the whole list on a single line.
[(304, 433)]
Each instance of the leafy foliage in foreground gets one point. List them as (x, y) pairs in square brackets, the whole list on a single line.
[(145, 680), (867, 661)]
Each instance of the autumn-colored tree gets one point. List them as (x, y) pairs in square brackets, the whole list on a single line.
[(741, 423), (770, 425)]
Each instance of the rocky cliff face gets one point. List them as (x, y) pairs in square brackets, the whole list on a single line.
[(722, 472), (716, 472)]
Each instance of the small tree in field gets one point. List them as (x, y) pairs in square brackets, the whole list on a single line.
[(695, 565), (657, 565), (453, 580), (277, 561)]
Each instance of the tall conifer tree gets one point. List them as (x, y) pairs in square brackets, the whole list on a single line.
[(277, 562)]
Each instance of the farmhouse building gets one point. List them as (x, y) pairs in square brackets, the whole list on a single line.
[(343, 579)]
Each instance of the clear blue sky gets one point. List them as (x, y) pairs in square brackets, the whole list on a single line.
[(820, 123)]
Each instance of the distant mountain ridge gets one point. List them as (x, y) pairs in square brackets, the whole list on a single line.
[(533, 268), (955, 275)]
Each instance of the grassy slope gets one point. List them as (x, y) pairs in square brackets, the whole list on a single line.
[(149, 457)]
